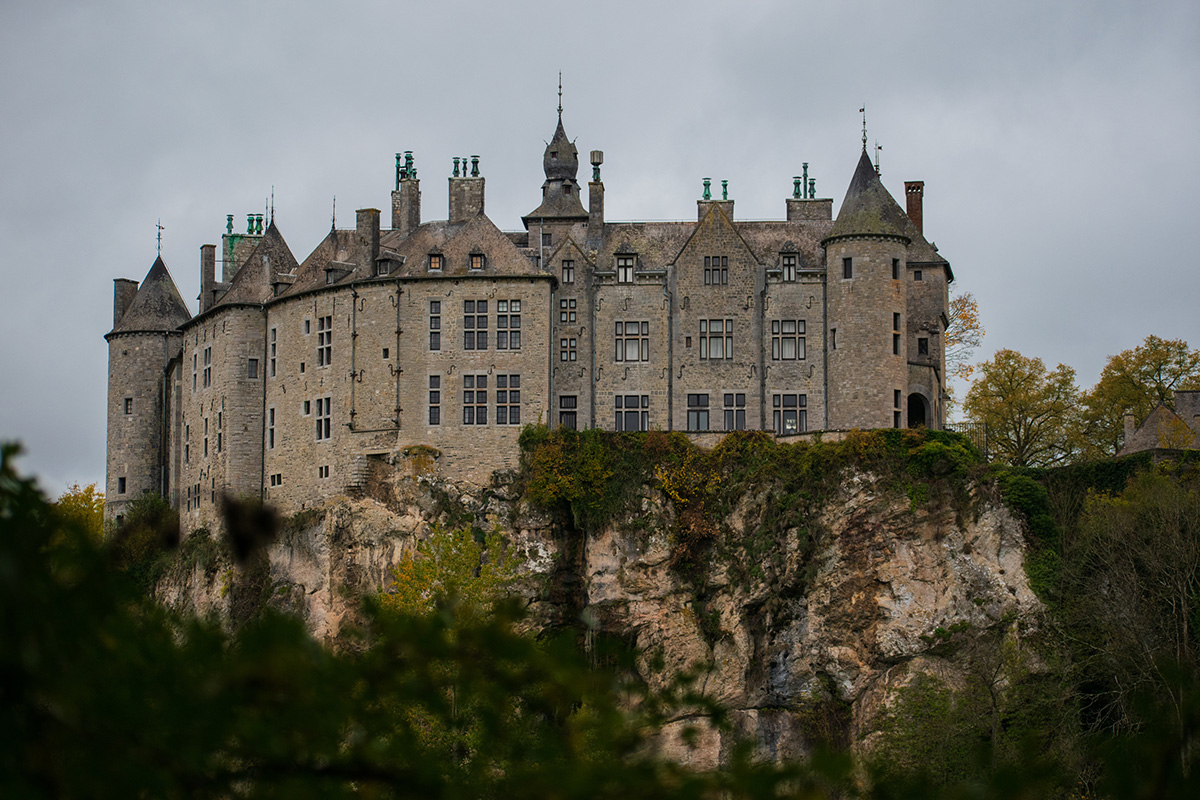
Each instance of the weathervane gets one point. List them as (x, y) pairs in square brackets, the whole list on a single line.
[(560, 95), (272, 216), (878, 147), (863, 111), (333, 221), (160, 230)]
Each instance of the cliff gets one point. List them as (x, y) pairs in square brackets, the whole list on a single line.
[(802, 612)]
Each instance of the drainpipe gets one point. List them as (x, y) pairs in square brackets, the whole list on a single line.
[(762, 355), (670, 355), (263, 369), (353, 350), (825, 338)]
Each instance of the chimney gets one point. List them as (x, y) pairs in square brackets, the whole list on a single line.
[(706, 202), (124, 290), (466, 193), (596, 201), (366, 240), (1130, 429), (208, 275), (406, 199), (914, 193)]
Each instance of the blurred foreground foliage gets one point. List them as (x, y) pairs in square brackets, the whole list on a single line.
[(104, 693)]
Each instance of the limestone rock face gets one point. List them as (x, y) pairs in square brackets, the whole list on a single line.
[(843, 611)]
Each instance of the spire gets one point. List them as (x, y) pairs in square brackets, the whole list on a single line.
[(157, 307), (560, 96), (868, 209), (560, 192)]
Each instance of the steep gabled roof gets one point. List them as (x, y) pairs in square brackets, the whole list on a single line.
[(456, 243), (270, 257), (868, 209), (157, 307)]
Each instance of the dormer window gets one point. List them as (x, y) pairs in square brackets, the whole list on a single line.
[(566, 188), (477, 261), (435, 261), (789, 268), (554, 154), (625, 269)]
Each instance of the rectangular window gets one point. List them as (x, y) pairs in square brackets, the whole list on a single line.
[(208, 366), (847, 268), (566, 349), (716, 270), (633, 412), (323, 472), (324, 417), (270, 429), (324, 341), (917, 275), (566, 310), (385, 354), (128, 405), (301, 367), (922, 346), (252, 369), (896, 398), (790, 413), (833, 338), (735, 411), (277, 479), (895, 332), (895, 269), (120, 486), (435, 324), (697, 412), (567, 408), (789, 267), (477, 261), (895, 419), (475, 323), (475, 399), (508, 325), (307, 327), (271, 361), (546, 240), (508, 399), (896, 412), (435, 261), (625, 269), (633, 341), (435, 399), (568, 271), (307, 407), (787, 340), (716, 339), (193, 372), (895, 344)]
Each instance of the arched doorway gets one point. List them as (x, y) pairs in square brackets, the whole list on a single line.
[(918, 411)]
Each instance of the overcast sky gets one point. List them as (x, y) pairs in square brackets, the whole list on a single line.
[(1057, 142)]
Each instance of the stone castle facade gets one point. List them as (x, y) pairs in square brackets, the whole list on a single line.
[(437, 340)]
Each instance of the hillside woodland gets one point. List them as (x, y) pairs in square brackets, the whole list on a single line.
[(627, 615)]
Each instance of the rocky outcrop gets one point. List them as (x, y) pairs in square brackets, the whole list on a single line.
[(833, 614)]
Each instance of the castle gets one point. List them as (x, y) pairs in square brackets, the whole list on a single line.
[(443, 337)]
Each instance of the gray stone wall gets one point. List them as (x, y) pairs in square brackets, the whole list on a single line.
[(136, 454), (865, 372)]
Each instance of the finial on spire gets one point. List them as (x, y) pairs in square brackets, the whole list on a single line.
[(878, 147), (560, 95), (863, 111), (272, 217), (333, 220), (160, 230)]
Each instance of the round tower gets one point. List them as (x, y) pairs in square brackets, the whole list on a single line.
[(865, 267), (143, 341)]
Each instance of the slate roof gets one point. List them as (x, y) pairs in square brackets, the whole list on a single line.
[(252, 283), (157, 307), (456, 242), (868, 208)]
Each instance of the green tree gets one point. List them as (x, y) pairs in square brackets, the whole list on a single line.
[(451, 567), (1028, 410), (1135, 382)]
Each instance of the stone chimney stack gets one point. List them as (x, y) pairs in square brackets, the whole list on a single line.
[(914, 193), (124, 290), (596, 200), (1130, 428), (366, 240), (406, 199), (208, 275), (466, 192)]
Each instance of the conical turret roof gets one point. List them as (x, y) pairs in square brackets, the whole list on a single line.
[(868, 209), (561, 160), (157, 307)]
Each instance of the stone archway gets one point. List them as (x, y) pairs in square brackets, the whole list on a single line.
[(918, 411)]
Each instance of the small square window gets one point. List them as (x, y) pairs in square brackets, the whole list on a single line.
[(385, 354), (477, 261), (128, 405), (917, 275), (435, 261)]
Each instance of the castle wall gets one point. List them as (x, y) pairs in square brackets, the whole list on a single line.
[(137, 449), (928, 300), (796, 382), (220, 412), (638, 306), (710, 361), (865, 371)]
